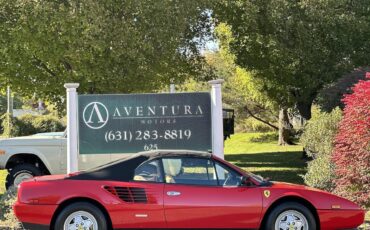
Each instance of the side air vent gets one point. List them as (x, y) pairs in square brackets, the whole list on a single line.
[(127, 194)]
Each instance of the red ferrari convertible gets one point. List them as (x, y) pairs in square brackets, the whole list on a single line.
[(177, 189)]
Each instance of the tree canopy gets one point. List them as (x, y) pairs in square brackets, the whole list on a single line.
[(241, 89), (107, 46), (297, 47)]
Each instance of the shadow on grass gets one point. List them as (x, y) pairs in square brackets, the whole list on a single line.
[(278, 166)]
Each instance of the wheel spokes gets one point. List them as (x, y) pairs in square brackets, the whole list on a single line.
[(80, 220), (72, 227), (291, 220)]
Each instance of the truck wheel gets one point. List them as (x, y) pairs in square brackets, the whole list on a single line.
[(81, 215), (20, 173)]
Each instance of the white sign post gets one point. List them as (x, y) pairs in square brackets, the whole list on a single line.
[(72, 148), (217, 118)]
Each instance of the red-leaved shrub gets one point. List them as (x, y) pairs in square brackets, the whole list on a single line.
[(351, 154)]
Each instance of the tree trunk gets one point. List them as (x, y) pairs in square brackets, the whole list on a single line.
[(304, 108), (284, 127)]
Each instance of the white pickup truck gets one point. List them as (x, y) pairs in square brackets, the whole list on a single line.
[(42, 154)]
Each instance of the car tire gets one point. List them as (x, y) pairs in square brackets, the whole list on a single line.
[(23, 170), (87, 211), (280, 214)]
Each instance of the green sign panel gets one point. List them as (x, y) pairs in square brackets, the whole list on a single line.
[(129, 123)]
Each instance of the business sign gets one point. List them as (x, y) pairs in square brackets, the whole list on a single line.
[(128, 123)]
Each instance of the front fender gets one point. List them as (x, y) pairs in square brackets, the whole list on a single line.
[(29, 151)]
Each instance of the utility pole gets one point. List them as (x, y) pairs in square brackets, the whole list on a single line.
[(10, 101), (9, 109)]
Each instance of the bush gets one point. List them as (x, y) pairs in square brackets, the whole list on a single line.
[(24, 125), (320, 173), (47, 123), (9, 126), (320, 131), (351, 154), (30, 124), (318, 141)]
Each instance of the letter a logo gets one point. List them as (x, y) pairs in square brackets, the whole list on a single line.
[(95, 115)]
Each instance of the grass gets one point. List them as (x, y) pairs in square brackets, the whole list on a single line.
[(265, 157)]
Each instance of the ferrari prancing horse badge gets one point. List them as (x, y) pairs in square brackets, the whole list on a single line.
[(267, 193)]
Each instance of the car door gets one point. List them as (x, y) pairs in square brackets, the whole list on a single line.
[(200, 194), (142, 205)]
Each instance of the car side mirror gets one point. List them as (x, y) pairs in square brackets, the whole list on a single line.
[(245, 181)]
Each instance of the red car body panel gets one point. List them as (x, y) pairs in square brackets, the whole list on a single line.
[(197, 207), (213, 207), (340, 219), (349, 215), (38, 214), (123, 215)]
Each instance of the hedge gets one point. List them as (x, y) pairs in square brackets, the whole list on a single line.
[(318, 141), (31, 124)]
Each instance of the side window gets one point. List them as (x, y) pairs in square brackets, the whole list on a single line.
[(149, 171), (227, 176), (189, 170)]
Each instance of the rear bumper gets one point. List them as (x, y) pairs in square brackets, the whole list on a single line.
[(341, 219), (34, 214)]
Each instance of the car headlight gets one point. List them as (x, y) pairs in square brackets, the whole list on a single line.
[(2, 152)]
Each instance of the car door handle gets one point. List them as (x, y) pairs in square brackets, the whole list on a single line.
[(173, 193)]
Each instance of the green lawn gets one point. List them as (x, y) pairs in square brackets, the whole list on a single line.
[(280, 163)]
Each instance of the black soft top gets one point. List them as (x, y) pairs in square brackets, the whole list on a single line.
[(123, 169)]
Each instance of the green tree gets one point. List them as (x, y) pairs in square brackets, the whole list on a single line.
[(107, 46), (295, 48), (241, 90)]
